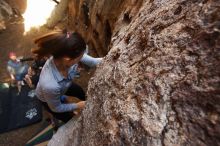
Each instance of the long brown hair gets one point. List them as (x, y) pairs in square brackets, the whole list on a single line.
[(60, 44)]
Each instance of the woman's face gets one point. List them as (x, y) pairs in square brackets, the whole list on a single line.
[(70, 61)]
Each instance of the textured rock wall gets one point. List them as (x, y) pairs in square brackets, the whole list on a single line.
[(159, 84), (5, 10), (58, 14), (20, 5), (97, 20), (10, 9)]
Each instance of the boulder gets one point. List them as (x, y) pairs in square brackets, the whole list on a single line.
[(159, 84)]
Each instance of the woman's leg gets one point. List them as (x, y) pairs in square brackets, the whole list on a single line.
[(19, 86), (18, 83), (76, 91), (65, 117)]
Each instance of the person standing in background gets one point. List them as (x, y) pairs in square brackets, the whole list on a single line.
[(17, 70)]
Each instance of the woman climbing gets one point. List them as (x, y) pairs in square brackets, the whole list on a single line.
[(56, 79)]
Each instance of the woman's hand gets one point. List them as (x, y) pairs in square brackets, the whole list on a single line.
[(81, 104)]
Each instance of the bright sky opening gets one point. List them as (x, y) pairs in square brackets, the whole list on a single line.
[(37, 13)]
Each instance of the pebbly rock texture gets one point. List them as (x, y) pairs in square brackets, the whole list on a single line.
[(159, 84)]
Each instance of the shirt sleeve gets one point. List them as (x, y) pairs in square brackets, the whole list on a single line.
[(54, 103), (90, 61)]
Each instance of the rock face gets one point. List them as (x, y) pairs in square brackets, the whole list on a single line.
[(159, 84), (5, 10), (10, 9), (58, 14), (19, 5)]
